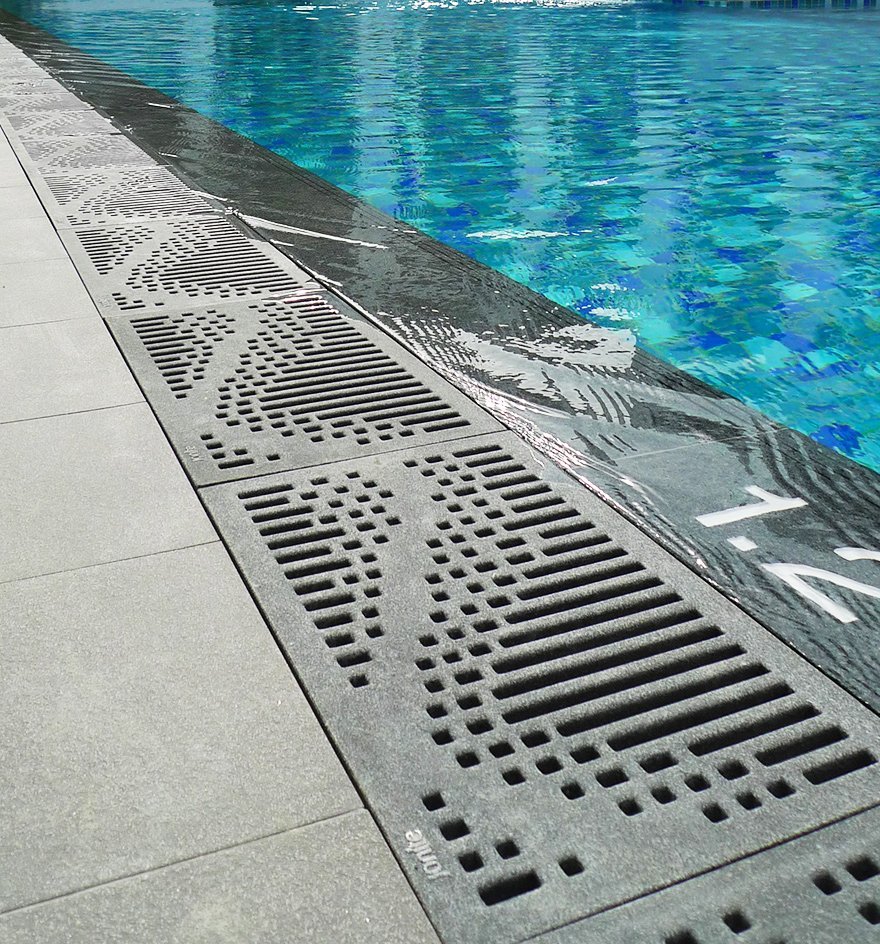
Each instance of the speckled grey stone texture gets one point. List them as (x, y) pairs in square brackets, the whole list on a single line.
[(89, 488), (149, 718), (62, 367)]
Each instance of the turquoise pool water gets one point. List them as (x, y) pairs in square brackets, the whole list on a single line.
[(708, 178)]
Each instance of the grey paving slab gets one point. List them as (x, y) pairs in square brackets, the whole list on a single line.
[(821, 889), (61, 367), (7, 156), (19, 202), (276, 384), (151, 718), (10, 171), (568, 716), (89, 488), (34, 292), (30, 240), (330, 883)]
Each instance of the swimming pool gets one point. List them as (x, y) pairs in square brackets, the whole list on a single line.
[(707, 178)]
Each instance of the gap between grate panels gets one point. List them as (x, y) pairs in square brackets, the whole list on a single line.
[(824, 886), (536, 701)]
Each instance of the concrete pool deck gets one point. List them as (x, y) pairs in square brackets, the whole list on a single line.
[(170, 781)]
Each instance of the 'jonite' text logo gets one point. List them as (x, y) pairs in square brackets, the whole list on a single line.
[(421, 849)]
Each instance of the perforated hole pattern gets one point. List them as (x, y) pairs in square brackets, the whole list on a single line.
[(59, 123), (178, 262), (823, 887), (541, 663), (278, 384), (80, 153), (134, 193)]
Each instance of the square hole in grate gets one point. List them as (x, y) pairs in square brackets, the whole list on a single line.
[(278, 384), (171, 264)]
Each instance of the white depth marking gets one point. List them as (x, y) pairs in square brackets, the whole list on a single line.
[(742, 543), (768, 503), (297, 231)]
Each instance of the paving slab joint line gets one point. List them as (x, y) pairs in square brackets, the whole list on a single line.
[(119, 560), (47, 416), (193, 858)]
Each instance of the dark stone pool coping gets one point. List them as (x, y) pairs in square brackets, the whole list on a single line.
[(663, 448)]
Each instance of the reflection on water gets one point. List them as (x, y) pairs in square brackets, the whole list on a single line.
[(705, 179)]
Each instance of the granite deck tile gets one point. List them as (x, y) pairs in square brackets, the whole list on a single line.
[(29, 241), (20, 203), (62, 367), (151, 718), (36, 292), (331, 883), (11, 174), (90, 488)]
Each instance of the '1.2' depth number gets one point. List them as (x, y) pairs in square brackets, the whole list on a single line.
[(795, 575)]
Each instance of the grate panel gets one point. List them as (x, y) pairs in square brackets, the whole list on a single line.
[(560, 715), (247, 389), (20, 72), (79, 153), (23, 101), (128, 193), (170, 264), (59, 124), (824, 887)]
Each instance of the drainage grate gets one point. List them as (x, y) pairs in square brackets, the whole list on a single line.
[(134, 193), (20, 102), (72, 153), (59, 123), (244, 390), (824, 887), (174, 263), (20, 72), (560, 715)]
